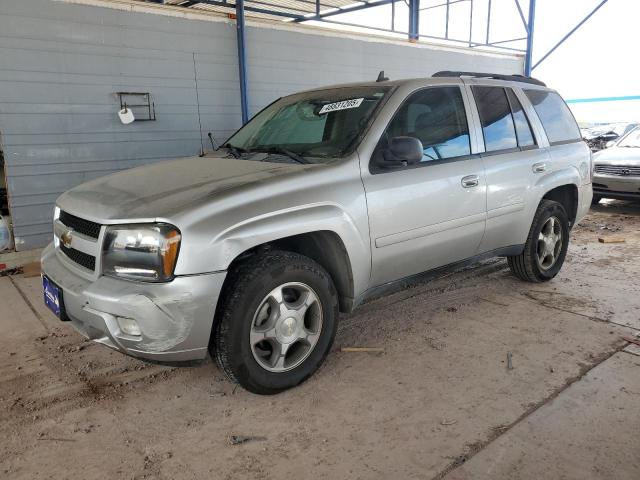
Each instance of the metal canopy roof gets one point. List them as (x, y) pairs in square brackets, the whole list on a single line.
[(292, 10), (328, 11), (325, 10)]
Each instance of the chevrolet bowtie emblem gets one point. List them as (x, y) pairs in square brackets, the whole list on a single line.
[(66, 238)]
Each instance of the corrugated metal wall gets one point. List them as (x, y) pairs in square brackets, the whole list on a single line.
[(61, 64)]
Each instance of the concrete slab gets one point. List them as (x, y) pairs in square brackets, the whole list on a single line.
[(590, 431), (19, 323), (596, 278), (440, 391), (9, 260), (633, 349)]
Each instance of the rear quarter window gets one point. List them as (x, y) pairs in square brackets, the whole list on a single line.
[(556, 118)]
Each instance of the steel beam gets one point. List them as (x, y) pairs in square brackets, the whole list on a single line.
[(573, 30), (449, 2), (446, 22), (489, 21), (530, 31), (414, 20), (340, 11), (242, 61), (393, 16), (470, 21), (249, 8), (521, 13)]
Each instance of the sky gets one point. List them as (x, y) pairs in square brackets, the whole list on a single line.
[(598, 61)]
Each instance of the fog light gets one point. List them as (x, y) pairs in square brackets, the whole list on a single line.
[(129, 326)]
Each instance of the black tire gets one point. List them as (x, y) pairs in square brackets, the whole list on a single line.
[(526, 266), (596, 199), (243, 294)]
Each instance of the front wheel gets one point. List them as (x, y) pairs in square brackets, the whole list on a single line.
[(596, 199), (277, 323), (546, 246)]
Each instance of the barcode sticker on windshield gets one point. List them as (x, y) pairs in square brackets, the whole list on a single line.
[(343, 105)]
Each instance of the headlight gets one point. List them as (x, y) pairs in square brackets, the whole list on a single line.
[(141, 252)]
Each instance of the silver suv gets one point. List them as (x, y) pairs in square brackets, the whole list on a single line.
[(323, 199)]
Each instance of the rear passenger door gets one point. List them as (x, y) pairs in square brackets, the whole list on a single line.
[(511, 158)]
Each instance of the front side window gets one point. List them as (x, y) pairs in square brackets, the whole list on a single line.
[(322, 124), (498, 128), (556, 118), (435, 116)]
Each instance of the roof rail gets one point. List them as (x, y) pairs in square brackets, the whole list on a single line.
[(496, 76)]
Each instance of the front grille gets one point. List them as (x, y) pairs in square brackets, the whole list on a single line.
[(80, 225), (620, 170), (83, 259)]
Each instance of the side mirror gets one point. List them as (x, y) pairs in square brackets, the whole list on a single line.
[(610, 144), (402, 151)]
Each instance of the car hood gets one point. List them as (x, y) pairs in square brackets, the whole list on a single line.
[(618, 156), (164, 189)]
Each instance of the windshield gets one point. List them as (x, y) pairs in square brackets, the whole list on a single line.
[(321, 124), (631, 140)]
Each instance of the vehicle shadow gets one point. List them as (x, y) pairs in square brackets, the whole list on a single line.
[(622, 207)]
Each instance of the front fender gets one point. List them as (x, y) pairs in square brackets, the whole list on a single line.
[(227, 245)]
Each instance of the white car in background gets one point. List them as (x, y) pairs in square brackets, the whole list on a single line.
[(617, 169)]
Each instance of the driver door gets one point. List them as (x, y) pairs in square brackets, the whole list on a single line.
[(432, 213)]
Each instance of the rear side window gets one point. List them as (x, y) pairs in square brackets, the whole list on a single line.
[(523, 127), (498, 128), (556, 118)]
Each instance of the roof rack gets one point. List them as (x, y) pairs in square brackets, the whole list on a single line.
[(495, 76)]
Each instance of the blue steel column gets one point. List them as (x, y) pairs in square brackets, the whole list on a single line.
[(242, 60), (414, 20), (530, 30)]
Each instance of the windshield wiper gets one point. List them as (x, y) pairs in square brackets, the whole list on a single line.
[(292, 155), (235, 151)]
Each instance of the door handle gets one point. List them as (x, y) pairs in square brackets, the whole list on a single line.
[(470, 181), (539, 167)]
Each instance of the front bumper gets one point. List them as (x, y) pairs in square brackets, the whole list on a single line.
[(616, 186), (175, 318)]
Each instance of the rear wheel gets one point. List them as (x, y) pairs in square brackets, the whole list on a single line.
[(277, 323), (546, 246)]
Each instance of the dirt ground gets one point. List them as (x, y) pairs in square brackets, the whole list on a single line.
[(439, 402)]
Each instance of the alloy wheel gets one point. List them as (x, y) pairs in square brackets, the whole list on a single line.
[(286, 327), (549, 243)]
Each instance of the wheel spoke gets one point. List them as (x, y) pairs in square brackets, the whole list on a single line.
[(277, 295), (310, 337), (279, 354), (542, 249), (258, 335), (303, 303)]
